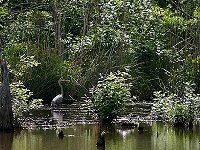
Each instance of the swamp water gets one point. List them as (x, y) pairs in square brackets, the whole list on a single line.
[(81, 134)]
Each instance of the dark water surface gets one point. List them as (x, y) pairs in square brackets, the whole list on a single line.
[(81, 131), (156, 136)]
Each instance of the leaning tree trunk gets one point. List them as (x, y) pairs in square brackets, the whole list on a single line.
[(6, 114)]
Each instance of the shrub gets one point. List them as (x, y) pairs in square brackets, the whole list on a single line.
[(177, 109), (111, 94), (21, 99)]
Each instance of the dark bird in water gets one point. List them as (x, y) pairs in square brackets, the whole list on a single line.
[(60, 133), (139, 127), (59, 98), (101, 139)]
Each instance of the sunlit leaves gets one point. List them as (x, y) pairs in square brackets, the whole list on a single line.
[(112, 93), (25, 63), (197, 12), (3, 16), (177, 109), (3, 12), (169, 18), (21, 99)]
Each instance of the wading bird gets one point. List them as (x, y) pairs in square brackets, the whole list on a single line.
[(59, 98)]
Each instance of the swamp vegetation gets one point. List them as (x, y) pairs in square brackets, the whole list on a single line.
[(112, 53)]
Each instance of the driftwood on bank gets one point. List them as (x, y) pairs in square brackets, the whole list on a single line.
[(6, 114)]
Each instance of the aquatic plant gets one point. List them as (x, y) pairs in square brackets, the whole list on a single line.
[(177, 109), (111, 94)]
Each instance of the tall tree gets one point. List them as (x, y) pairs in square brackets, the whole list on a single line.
[(6, 114)]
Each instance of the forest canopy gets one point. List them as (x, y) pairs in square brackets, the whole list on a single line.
[(77, 40)]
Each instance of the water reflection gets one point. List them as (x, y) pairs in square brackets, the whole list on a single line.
[(124, 133), (100, 148), (156, 136), (171, 138), (6, 140), (57, 115)]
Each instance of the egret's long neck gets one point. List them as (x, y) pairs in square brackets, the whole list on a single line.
[(61, 87)]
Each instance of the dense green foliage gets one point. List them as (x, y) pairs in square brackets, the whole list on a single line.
[(111, 94), (22, 101), (178, 109), (22, 98), (78, 40)]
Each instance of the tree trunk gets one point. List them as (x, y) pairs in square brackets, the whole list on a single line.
[(6, 114), (86, 18), (58, 26)]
